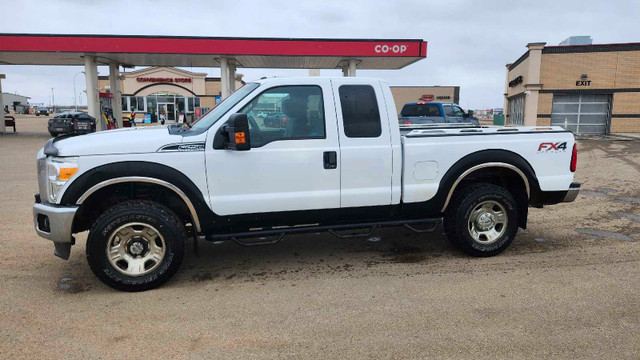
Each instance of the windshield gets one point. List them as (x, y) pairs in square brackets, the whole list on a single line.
[(222, 108)]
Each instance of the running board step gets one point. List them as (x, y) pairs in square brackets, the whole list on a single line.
[(281, 232)]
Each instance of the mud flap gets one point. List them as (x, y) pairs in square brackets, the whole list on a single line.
[(62, 250)]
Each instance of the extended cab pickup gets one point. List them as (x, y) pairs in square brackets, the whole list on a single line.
[(427, 113), (339, 164)]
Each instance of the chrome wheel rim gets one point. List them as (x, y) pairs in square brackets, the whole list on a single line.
[(136, 249), (488, 222)]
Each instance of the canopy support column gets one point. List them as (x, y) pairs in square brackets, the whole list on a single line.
[(224, 78), (114, 85), (352, 67), (2, 127), (93, 101), (232, 76)]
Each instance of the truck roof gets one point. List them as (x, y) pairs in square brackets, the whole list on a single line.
[(341, 78)]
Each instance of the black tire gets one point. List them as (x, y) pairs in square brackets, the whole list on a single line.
[(149, 213), (53, 134), (469, 200)]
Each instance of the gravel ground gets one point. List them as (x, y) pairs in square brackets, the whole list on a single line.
[(566, 288)]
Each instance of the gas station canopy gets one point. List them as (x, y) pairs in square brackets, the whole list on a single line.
[(40, 49), (227, 53)]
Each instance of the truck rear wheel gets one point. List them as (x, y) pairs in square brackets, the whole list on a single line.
[(482, 220), (136, 245)]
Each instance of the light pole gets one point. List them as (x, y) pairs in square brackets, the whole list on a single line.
[(75, 105), (53, 101)]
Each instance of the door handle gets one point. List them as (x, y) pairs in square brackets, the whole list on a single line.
[(330, 159)]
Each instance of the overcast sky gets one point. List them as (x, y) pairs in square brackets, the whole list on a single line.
[(469, 41)]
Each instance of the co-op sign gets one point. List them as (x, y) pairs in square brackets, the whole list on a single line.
[(385, 49)]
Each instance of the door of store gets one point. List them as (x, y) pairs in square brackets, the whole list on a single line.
[(167, 111), (582, 113)]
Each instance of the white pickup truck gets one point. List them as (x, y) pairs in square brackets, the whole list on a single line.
[(335, 162)]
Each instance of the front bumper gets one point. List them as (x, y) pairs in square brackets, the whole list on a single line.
[(572, 194), (55, 223)]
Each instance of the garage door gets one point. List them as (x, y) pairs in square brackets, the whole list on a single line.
[(516, 110), (582, 114)]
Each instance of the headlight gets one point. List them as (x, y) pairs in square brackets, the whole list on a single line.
[(59, 170)]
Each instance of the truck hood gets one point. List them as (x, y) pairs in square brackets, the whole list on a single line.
[(121, 141)]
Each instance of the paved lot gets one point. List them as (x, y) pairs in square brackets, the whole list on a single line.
[(567, 287)]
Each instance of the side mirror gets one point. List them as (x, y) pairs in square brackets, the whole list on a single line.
[(469, 113), (236, 131)]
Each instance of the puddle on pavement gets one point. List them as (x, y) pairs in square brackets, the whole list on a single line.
[(621, 199), (594, 194), (605, 234), (632, 217), (627, 199), (406, 254), (205, 276), (606, 190), (70, 285)]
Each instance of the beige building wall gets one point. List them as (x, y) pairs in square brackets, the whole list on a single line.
[(131, 85), (409, 94), (528, 69), (615, 72)]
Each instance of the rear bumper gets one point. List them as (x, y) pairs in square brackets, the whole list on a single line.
[(571, 195), (555, 197)]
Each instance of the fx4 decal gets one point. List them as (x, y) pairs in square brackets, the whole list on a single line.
[(552, 147)]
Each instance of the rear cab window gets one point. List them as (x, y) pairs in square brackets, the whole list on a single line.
[(417, 110), (360, 113)]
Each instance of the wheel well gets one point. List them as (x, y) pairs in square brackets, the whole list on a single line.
[(108, 196), (503, 177)]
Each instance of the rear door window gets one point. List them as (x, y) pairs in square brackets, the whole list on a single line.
[(360, 113)]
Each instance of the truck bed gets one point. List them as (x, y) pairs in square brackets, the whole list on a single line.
[(429, 153)]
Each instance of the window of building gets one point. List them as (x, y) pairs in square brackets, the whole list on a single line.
[(125, 103), (180, 104), (286, 113), (360, 113), (193, 103), (136, 103)]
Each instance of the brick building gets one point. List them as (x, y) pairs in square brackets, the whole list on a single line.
[(588, 89)]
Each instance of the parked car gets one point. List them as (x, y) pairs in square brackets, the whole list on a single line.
[(423, 113), (345, 169), (41, 111), (71, 123)]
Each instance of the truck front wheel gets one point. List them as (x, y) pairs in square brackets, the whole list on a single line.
[(136, 245), (482, 219)]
